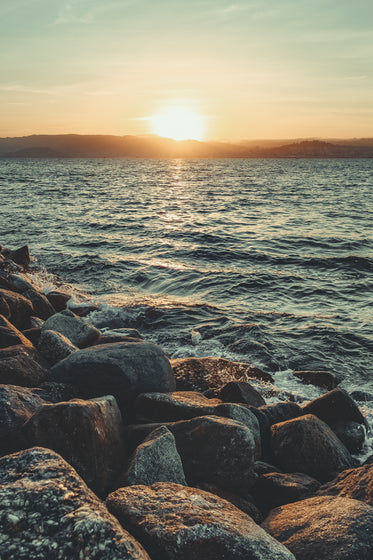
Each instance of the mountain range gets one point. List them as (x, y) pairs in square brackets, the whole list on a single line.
[(150, 146)]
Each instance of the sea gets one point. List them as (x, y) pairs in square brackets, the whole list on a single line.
[(262, 261)]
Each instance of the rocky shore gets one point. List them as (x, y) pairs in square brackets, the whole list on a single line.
[(109, 450)]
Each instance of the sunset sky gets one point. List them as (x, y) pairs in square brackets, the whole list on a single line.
[(249, 68)]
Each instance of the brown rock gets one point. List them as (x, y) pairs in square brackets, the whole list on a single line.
[(241, 392), (19, 368), (20, 308), (42, 308), (352, 483), (11, 336), (276, 489), (335, 406), (58, 300), (323, 379)]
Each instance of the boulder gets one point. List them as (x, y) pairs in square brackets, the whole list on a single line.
[(201, 374), (323, 379), (361, 396), (33, 335), (4, 308), (48, 512), (20, 308), (76, 329), (58, 300), (87, 434), (352, 483), (155, 460), (307, 445), (241, 392), (122, 369), (351, 434), (36, 322), (54, 346), (171, 407), (18, 368), (20, 256), (212, 449), (20, 283), (42, 308), (122, 331), (175, 522), (244, 504), (279, 412), (324, 527), (333, 407), (262, 467), (11, 336), (276, 489), (56, 392)]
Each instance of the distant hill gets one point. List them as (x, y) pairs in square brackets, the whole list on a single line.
[(105, 146)]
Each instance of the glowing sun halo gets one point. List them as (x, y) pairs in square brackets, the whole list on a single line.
[(178, 123)]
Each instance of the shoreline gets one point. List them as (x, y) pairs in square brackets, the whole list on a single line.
[(137, 427)]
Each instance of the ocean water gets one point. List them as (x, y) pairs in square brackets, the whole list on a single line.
[(265, 261)]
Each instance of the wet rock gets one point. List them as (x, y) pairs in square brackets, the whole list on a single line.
[(84, 310), (123, 331), (122, 369), (368, 461), (201, 374), (20, 283), (183, 405), (324, 527), (155, 460), (4, 308), (279, 412), (17, 405), (36, 322), (48, 512), (11, 336), (58, 300), (77, 330), (244, 504), (33, 335), (307, 445), (352, 483), (87, 434), (241, 392), (20, 308), (175, 522), (276, 489), (20, 256), (18, 368), (261, 467), (333, 407), (42, 308), (110, 339), (351, 434), (212, 449), (323, 379), (361, 396), (54, 346), (56, 392)]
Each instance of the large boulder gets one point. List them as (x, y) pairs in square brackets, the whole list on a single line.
[(10, 335), (201, 374), (20, 256), (333, 407), (121, 369), (76, 329), (17, 367), (155, 460), (352, 483), (324, 527), (351, 434), (54, 346), (47, 511), (175, 522), (241, 392), (20, 308), (308, 445), (281, 411), (88, 435), (212, 449), (275, 489), (323, 379), (58, 300), (40, 303)]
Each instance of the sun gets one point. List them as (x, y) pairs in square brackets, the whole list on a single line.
[(179, 123)]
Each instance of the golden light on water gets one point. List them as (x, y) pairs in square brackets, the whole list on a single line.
[(179, 122)]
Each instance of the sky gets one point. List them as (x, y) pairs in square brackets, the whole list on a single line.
[(251, 68)]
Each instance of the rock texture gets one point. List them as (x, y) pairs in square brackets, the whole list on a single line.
[(54, 346), (88, 434), (308, 445), (352, 483), (156, 460), (47, 512), (77, 330), (275, 489), (174, 522), (10, 335), (333, 407), (20, 308), (323, 379), (324, 527), (241, 392), (19, 368), (120, 369)]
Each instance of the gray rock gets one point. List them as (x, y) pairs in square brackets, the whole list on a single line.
[(20, 256), (279, 412), (11, 336), (41, 305), (276, 489), (323, 379), (19, 368), (20, 308), (87, 434), (241, 392), (121, 369), (351, 434), (156, 460), (307, 445), (324, 527), (20, 283), (54, 346), (76, 329), (58, 300), (333, 407), (48, 512), (175, 522), (212, 449), (352, 483)]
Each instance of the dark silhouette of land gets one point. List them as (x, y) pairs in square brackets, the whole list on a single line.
[(104, 146)]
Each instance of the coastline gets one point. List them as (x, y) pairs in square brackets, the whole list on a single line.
[(200, 424)]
